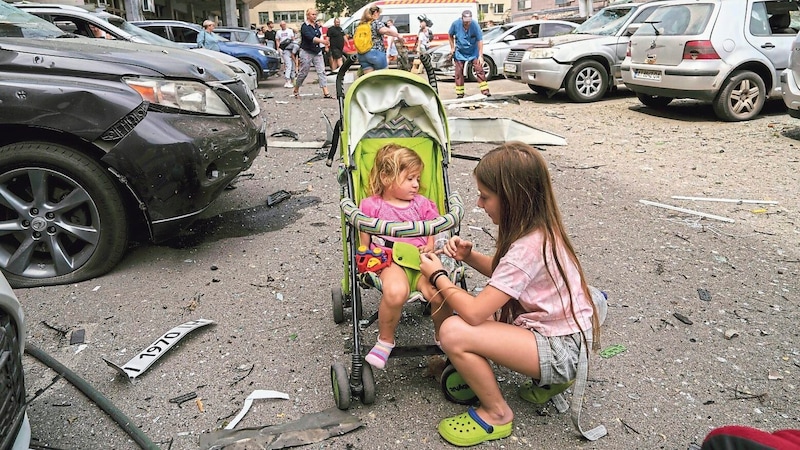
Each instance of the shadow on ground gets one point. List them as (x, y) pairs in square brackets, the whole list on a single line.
[(242, 222)]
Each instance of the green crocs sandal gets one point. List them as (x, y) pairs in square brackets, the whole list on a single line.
[(531, 392), (468, 429)]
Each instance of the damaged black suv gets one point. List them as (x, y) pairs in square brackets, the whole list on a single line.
[(104, 141)]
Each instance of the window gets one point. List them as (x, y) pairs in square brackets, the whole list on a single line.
[(157, 29), (184, 34), (263, 17), (554, 29), (401, 22), (499, 8), (484, 8), (289, 16), (523, 4)]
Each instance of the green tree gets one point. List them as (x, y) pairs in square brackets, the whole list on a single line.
[(335, 8)]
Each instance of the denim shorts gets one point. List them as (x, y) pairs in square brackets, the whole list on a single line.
[(373, 59)]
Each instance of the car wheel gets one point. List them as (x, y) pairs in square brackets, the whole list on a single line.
[(488, 68), (741, 97), (654, 101), (587, 82), (257, 69), (62, 214)]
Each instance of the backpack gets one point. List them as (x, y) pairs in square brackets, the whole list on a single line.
[(362, 38)]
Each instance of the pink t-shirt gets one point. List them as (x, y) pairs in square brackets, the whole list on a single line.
[(420, 208), (521, 274)]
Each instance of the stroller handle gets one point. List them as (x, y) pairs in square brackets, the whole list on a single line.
[(381, 227), (351, 59)]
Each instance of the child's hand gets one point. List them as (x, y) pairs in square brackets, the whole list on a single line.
[(427, 248), (457, 248), (429, 263)]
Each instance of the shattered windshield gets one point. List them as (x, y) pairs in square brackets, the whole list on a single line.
[(494, 32), (607, 22), (15, 22)]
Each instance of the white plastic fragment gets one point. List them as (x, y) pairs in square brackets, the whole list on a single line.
[(687, 211), (725, 200), (258, 394)]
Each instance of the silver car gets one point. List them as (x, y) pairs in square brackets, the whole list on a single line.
[(585, 62), (790, 81), (727, 52), (497, 42)]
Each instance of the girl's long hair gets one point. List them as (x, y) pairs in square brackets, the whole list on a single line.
[(390, 161), (518, 175)]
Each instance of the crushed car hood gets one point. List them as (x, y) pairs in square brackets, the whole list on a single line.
[(565, 39), (123, 58)]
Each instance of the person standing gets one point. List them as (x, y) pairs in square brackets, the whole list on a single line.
[(269, 33), (207, 38), (466, 46), (391, 50), (375, 58), (283, 39), (336, 38), (311, 53)]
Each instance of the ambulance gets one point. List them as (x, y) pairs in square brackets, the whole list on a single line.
[(406, 14)]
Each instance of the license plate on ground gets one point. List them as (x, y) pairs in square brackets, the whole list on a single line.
[(511, 68), (653, 75)]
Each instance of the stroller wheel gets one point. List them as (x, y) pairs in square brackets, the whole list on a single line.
[(341, 386), (338, 305), (368, 382), (455, 388)]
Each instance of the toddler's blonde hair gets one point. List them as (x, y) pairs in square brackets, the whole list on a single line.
[(390, 161)]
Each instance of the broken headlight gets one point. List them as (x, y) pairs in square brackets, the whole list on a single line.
[(189, 96)]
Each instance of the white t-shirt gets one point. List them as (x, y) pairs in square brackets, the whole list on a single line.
[(280, 35)]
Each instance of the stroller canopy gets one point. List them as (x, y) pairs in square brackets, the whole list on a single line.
[(383, 95)]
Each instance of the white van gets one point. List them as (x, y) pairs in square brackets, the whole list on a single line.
[(405, 15)]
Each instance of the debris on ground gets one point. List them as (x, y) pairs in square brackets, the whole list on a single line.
[(141, 362), (258, 394), (308, 429)]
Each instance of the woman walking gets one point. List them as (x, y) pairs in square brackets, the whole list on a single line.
[(311, 53)]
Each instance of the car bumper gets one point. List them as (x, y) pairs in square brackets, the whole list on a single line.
[(698, 82), (790, 93), (23, 439), (271, 66), (176, 165), (544, 72)]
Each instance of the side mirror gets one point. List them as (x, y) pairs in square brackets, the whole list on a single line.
[(509, 38)]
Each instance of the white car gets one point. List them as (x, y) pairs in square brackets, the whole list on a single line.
[(497, 42), (790, 81), (74, 19), (16, 430)]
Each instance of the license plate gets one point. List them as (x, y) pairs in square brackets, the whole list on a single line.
[(512, 68), (653, 75)]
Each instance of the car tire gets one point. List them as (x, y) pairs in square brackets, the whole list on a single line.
[(741, 98), (654, 101), (64, 216), (489, 68), (587, 82), (256, 68)]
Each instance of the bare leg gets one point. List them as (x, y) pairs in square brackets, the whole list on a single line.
[(471, 347), (394, 295)]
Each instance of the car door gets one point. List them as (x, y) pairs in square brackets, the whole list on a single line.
[(774, 42)]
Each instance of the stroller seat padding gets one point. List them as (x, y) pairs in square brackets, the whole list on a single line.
[(372, 225)]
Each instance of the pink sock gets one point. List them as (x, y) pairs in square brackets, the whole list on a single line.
[(379, 354)]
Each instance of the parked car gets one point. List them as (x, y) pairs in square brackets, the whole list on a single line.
[(236, 34), (727, 52), (102, 141), (585, 62), (790, 81), (15, 429), (497, 42), (73, 19), (266, 61)]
